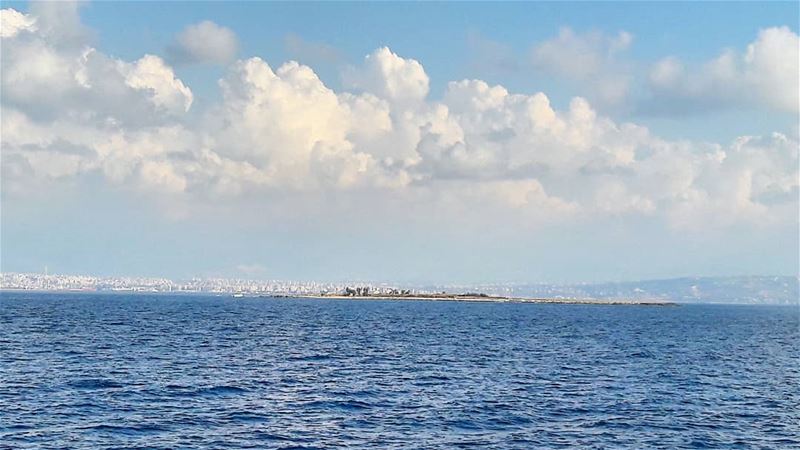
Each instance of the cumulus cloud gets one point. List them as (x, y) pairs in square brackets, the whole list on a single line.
[(579, 55), (283, 123), (13, 21), (70, 110), (60, 23), (151, 74), (204, 43), (592, 58), (389, 76), (45, 77), (281, 133), (764, 75)]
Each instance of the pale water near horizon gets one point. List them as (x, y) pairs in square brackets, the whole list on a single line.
[(92, 371)]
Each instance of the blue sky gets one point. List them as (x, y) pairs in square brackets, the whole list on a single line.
[(441, 35), (134, 158)]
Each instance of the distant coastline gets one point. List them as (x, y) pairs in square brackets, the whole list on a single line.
[(753, 290), (485, 299), (476, 298)]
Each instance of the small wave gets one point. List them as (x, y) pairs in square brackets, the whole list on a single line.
[(266, 436), (465, 424), (95, 383), (310, 358), (359, 394), (177, 390), (222, 390), (336, 404), (300, 447), (127, 429), (247, 417), (511, 421), (433, 378)]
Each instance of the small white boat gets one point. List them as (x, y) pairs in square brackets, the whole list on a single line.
[(238, 295)]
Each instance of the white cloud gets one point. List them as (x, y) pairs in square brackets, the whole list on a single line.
[(13, 22), (204, 42), (765, 75), (772, 68), (45, 78), (284, 123), (579, 55), (390, 77), (151, 74), (592, 58), (70, 110), (59, 22), (283, 135)]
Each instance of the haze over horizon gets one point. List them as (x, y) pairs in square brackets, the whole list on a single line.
[(249, 275), (403, 142)]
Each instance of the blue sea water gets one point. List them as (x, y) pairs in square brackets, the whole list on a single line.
[(137, 371)]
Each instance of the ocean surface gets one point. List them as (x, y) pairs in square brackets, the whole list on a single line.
[(90, 371)]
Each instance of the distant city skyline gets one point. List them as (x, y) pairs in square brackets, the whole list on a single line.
[(749, 290), (400, 142)]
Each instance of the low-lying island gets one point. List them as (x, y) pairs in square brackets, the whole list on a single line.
[(471, 297)]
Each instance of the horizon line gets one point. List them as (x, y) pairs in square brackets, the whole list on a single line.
[(395, 283)]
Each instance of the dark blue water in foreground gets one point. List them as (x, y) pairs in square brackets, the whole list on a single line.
[(117, 371)]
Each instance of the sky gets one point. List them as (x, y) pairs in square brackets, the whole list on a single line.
[(406, 142)]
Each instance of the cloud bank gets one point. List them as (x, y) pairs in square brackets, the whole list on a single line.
[(71, 113)]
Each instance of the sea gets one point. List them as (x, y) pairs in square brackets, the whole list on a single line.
[(103, 371)]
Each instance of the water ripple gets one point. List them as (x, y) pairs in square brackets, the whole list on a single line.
[(119, 371)]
